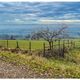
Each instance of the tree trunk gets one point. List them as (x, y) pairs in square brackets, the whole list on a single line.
[(50, 45)]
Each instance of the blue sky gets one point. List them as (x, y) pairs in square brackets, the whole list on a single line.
[(38, 12)]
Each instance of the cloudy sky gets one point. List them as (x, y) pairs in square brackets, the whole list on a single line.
[(39, 12)]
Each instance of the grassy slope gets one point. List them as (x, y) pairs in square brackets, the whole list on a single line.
[(68, 67)]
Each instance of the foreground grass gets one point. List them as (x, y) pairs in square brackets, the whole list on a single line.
[(52, 68)]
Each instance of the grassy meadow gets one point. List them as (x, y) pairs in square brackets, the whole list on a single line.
[(35, 44), (23, 44)]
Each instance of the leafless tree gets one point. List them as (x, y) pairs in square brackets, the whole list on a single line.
[(50, 35)]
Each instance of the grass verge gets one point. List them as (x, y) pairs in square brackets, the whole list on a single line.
[(50, 68)]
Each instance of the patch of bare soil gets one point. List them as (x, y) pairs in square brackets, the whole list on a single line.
[(8, 70)]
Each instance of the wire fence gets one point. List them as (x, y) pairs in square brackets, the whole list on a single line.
[(58, 47)]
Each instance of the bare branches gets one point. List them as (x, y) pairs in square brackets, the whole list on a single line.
[(50, 35)]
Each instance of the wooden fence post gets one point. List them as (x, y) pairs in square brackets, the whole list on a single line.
[(74, 44), (17, 45), (52, 44), (43, 49), (71, 44), (4, 43), (68, 44), (52, 47), (63, 48), (7, 43), (59, 53), (30, 47)]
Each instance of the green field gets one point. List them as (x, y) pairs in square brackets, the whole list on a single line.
[(35, 44), (23, 44)]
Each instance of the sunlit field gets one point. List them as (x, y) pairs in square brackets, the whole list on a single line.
[(23, 44), (35, 44)]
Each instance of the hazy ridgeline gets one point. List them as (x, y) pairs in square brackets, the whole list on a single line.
[(20, 31)]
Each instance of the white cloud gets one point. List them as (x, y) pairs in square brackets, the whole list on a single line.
[(30, 15), (21, 21), (58, 21), (15, 21)]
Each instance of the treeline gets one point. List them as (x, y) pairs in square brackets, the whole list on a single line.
[(13, 37), (32, 36)]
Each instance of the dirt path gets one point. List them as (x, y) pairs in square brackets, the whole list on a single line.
[(8, 70)]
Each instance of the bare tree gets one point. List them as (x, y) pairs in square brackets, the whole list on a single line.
[(50, 35)]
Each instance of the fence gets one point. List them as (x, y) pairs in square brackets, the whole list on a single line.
[(57, 47), (22, 44), (16, 44)]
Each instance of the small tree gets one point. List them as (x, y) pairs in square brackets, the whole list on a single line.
[(50, 35)]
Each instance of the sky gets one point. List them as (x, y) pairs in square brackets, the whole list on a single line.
[(39, 12)]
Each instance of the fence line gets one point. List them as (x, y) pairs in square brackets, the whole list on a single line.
[(60, 45)]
